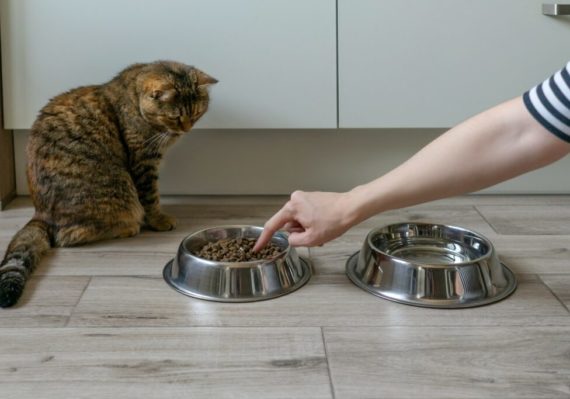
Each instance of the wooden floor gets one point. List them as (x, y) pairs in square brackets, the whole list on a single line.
[(99, 322)]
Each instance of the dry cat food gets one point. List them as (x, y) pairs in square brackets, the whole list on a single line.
[(236, 250)]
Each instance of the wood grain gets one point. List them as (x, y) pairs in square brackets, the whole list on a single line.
[(164, 363), (99, 321), (534, 254), (46, 302), (454, 362), (560, 286), (149, 302), (528, 219)]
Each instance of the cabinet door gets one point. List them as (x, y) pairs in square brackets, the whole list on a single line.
[(420, 63), (275, 60)]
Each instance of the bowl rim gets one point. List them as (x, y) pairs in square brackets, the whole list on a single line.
[(487, 255), (285, 253)]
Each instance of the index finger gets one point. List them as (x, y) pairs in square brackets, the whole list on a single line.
[(271, 226)]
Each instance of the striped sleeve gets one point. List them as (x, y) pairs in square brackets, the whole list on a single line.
[(549, 103)]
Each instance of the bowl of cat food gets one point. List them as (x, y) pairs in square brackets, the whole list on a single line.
[(218, 264), (430, 265)]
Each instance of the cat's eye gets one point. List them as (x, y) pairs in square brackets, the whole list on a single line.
[(156, 94), (163, 95)]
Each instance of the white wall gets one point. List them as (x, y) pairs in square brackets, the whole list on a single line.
[(280, 161)]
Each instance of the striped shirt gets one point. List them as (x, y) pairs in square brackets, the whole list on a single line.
[(549, 103)]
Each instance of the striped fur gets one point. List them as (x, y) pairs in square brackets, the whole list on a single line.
[(93, 157)]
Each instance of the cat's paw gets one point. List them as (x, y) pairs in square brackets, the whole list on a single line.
[(160, 222)]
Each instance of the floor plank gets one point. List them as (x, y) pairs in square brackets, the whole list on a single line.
[(63, 262), (19, 207), (84, 261), (98, 320), (147, 301), (452, 362), (560, 286), (528, 219), (46, 302), (511, 200), (163, 363), (534, 254)]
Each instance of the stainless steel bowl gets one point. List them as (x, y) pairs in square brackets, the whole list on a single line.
[(430, 265), (235, 281)]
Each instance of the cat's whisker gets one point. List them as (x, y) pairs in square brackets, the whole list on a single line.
[(148, 139), (158, 142), (155, 144), (164, 140), (151, 139)]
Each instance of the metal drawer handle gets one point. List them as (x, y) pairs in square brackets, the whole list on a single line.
[(556, 9)]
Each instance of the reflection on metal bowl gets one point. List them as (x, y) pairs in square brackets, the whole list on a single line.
[(235, 281), (430, 265)]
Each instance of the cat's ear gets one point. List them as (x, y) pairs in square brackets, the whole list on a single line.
[(203, 79)]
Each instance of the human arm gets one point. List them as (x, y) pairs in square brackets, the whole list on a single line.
[(491, 147)]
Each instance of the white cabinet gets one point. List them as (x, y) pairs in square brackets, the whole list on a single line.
[(275, 60), (401, 63), (433, 63)]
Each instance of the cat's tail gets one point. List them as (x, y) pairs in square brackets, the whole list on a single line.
[(22, 256)]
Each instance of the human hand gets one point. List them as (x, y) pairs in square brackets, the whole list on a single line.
[(311, 218)]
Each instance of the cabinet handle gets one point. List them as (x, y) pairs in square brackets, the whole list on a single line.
[(556, 9)]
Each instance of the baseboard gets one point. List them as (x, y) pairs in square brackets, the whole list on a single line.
[(6, 200)]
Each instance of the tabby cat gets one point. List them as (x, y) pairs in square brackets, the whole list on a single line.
[(93, 155)]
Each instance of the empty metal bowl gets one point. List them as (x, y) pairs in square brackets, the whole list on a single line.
[(430, 265), (235, 281)]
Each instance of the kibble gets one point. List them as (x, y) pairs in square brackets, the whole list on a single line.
[(237, 250)]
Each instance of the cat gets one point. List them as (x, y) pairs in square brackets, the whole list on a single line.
[(93, 155)]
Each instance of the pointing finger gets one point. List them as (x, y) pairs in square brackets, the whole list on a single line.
[(273, 225)]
